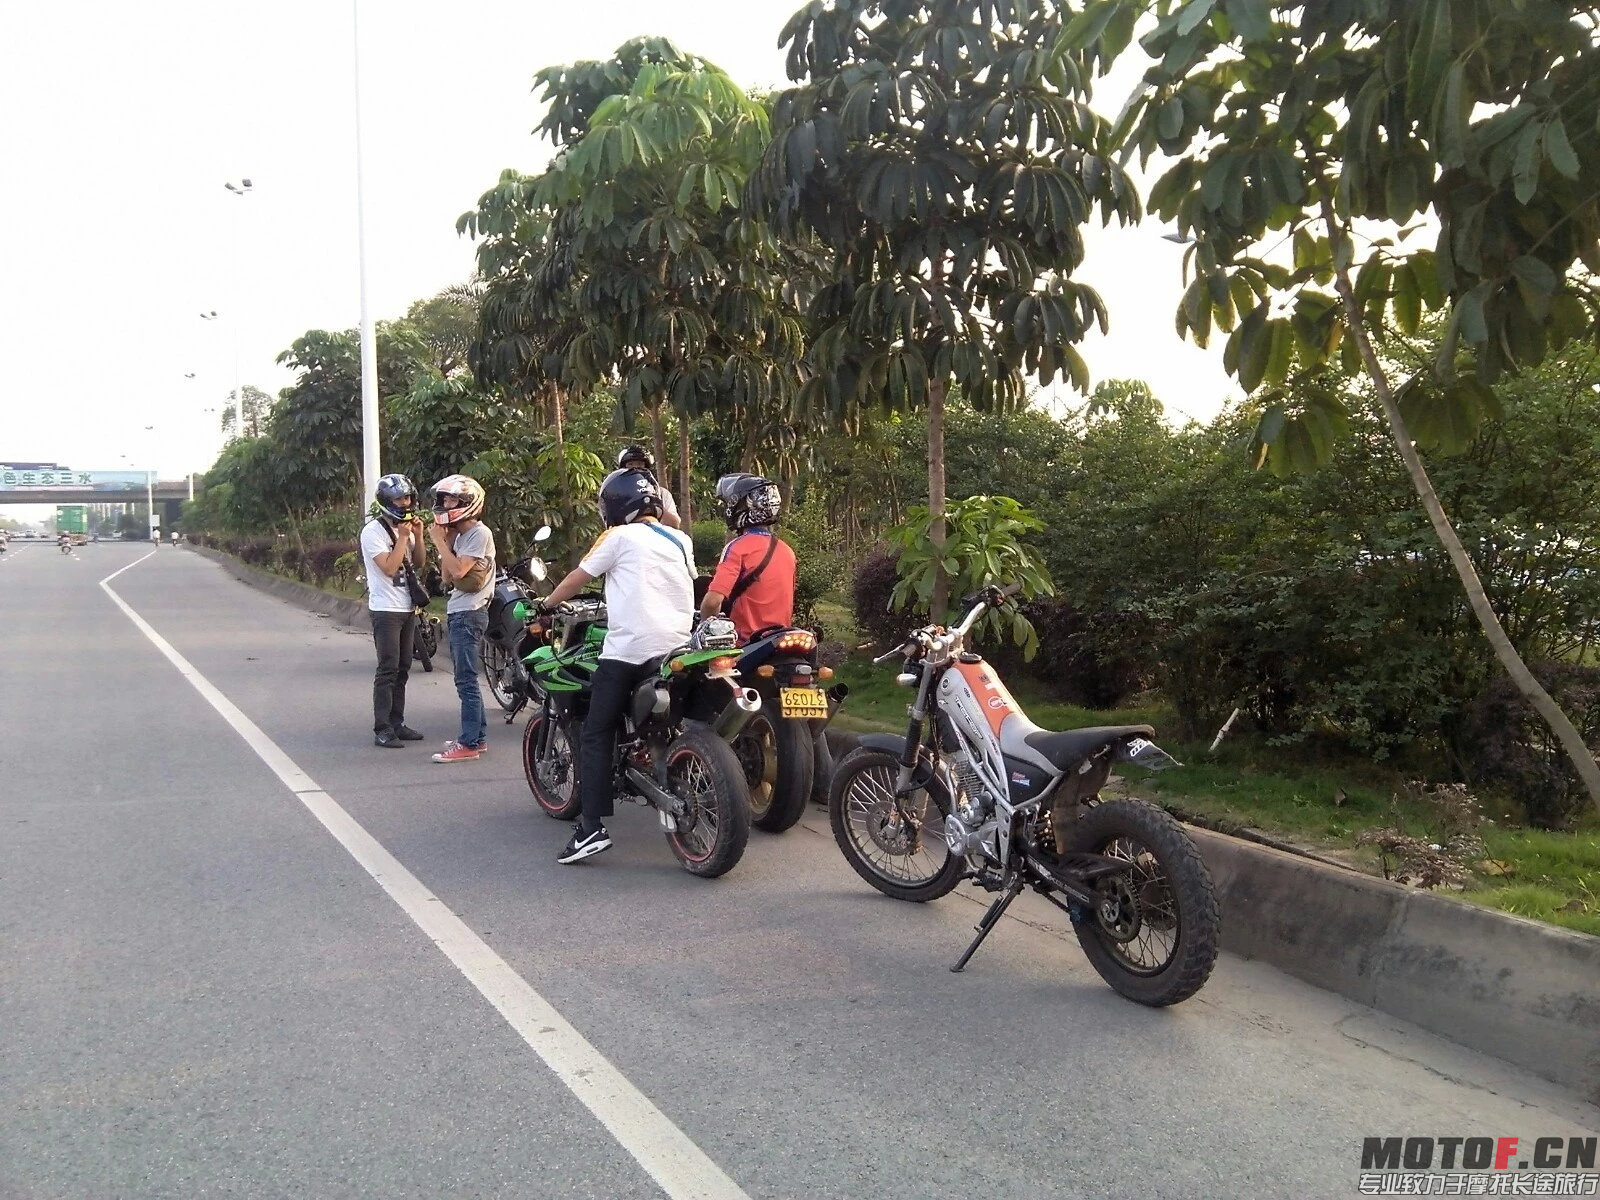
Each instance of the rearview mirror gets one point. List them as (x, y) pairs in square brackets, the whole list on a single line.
[(538, 570), (544, 534)]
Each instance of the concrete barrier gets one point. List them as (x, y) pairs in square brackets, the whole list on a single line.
[(343, 609), (1520, 990)]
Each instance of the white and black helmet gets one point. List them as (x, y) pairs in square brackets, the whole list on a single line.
[(749, 501)]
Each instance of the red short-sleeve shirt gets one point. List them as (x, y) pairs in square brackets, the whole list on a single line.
[(769, 600)]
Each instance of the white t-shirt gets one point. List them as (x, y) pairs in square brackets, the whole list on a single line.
[(476, 542), (383, 593), (669, 506), (649, 573)]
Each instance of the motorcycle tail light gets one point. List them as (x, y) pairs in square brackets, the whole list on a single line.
[(797, 639)]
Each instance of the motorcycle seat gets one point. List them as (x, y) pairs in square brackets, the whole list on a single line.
[(1066, 750)]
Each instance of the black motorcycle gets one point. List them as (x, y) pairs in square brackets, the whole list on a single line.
[(508, 641), (425, 639), (778, 746)]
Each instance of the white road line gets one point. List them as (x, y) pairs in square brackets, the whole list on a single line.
[(680, 1167)]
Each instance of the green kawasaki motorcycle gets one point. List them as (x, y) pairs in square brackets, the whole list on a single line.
[(672, 753)]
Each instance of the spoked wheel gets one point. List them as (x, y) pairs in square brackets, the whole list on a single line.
[(1155, 933), (704, 773), (500, 671), (550, 764), (775, 756), (895, 843), (426, 643)]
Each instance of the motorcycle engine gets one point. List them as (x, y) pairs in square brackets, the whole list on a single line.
[(970, 830)]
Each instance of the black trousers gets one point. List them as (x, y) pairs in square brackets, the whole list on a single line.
[(609, 696), (393, 633)]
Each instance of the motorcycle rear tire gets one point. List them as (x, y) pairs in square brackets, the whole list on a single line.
[(785, 754), (1199, 918), (552, 804), (726, 798)]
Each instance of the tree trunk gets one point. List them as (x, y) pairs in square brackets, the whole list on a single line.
[(658, 435), (559, 425), (1571, 740), (936, 531), (685, 477)]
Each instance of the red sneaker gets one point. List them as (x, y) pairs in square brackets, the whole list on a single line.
[(456, 752)]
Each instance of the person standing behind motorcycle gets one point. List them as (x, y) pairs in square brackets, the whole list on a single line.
[(649, 573), (637, 458), (756, 576), (391, 543), (466, 561)]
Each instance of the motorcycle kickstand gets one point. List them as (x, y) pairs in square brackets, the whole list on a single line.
[(990, 920)]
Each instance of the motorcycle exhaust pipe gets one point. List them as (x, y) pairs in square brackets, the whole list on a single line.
[(836, 697), (745, 704)]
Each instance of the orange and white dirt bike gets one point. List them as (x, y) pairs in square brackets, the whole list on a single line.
[(975, 790)]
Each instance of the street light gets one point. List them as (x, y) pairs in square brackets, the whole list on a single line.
[(370, 465), (243, 188), (150, 490)]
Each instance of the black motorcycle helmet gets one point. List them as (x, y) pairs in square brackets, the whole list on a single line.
[(749, 501), (627, 496), (636, 457), (390, 491)]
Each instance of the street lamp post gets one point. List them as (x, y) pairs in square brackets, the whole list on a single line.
[(243, 188), (370, 466)]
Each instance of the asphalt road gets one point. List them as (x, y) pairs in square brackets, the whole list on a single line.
[(203, 994)]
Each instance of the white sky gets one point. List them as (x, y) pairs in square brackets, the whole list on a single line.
[(123, 121)]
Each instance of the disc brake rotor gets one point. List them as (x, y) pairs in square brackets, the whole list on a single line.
[(891, 830)]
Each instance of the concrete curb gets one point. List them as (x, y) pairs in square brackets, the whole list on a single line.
[(343, 609), (1520, 990)]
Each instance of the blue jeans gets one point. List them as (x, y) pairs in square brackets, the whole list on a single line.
[(466, 636)]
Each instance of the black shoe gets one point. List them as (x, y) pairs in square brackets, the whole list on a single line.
[(584, 845), (387, 740), (407, 734)]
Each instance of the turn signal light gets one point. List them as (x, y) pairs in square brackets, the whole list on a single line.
[(824, 672), (676, 665), (797, 639), (767, 671)]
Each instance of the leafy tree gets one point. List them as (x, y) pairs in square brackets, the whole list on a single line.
[(446, 325), (983, 543), (316, 424), (1322, 127), (246, 412), (627, 259), (941, 151)]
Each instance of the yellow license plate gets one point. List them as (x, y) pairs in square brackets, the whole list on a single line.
[(802, 702)]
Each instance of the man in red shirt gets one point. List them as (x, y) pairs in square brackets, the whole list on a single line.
[(754, 582)]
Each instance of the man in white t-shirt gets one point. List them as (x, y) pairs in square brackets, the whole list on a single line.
[(637, 458), (391, 545), (649, 574)]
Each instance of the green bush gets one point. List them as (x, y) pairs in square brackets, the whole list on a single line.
[(709, 539), (872, 585)]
